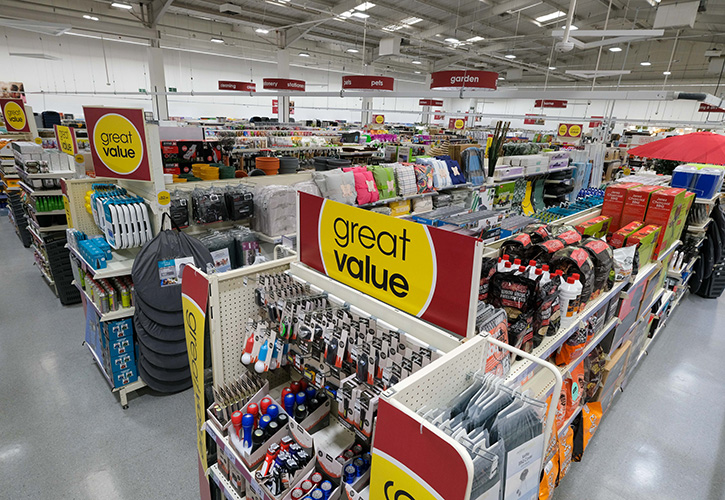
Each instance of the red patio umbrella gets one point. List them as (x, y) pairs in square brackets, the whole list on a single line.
[(698, 147)]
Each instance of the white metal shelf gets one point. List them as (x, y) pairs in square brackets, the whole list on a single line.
[(100, 364), (413, 196), (223, 483), (699, 228), (39, 192), (122, 391), (120, 313), (521, 369), (708, 201), (60, 174), (120, 265)]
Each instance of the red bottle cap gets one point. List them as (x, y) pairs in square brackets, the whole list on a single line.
[(522, 269), (507, 265), (570, 280), (237, 421), (545, 267), (295, 386), (253, 409), (517, 262), (506, 256), (538, 271), (575, 276), (532, 263), (303, 384)]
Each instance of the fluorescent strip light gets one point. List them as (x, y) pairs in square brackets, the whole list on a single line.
[(615, 49), (90, 18), (667, 73), (303, 54), (353, 51), (501, 78), (411, 20), (453, 40), (417, 62), (416, 72), (360, 15), (475, 39), (645, 63), (262, 31), (393, 27), (119, 5), (510, 56), (216, 40), (346, 14), (552, 68), (551, 17), (365, 6), (572, 28)]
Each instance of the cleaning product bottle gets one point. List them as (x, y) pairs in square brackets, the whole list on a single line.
[(500, 267), (569, 295), (545, 276), (531, 270), (577, 281), (507, 268)]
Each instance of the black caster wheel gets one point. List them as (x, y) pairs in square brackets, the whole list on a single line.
[(125, 407)]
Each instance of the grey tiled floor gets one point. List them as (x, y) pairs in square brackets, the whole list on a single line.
[(63, 434)]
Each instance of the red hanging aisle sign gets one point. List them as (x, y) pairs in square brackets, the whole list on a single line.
[(430, 102), (597, 121), (275, 106), (464, 79), (365, 82), (424, 271), (709, 108), (550, 103), (283, 84), (238, 86)]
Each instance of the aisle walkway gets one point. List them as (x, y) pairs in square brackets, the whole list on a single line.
[(664, 436), (63, 434)]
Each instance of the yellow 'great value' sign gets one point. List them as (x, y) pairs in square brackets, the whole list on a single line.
[(65, 137)]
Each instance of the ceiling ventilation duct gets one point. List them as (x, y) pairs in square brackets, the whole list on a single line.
[(36, 26)]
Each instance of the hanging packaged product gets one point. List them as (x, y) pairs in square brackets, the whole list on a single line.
[(239, 202), (624, 261), (179, 208), (538, 232), (591, 416), (208, 205), (122, 217)]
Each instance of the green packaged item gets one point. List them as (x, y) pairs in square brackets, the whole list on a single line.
[(504, 194)]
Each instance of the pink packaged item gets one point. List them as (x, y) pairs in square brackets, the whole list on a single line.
[(367, 191)]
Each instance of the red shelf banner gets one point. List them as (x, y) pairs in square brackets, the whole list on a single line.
[(550, 103), (430, 102)]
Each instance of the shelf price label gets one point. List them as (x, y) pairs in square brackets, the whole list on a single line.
[(194, 298), (117, 137), (424, 271), (16, 119)]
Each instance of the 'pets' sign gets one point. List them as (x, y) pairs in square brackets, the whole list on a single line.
[(118, 142), (401, 263), (14, 115)]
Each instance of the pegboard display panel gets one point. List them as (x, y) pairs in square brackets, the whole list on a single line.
[(81, 219), (232, 301), (439, 382)]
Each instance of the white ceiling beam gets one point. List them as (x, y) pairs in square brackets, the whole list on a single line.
[(158, 8), (633, 34)]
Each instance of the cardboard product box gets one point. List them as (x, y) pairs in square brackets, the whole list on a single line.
[(595, 227), (636, 202), (645, 239), (628, 313), (115, 330), (681, 222), (614, 370), (654, 283), (665, 208), (170, 152), (455, 150), (124, 377), (504, 194), (399, 208), (614, 199), (619, 238)]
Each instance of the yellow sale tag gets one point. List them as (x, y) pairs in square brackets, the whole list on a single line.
[(164, 198)]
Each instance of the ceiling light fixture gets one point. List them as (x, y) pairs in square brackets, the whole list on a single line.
[(551, 17), (411, 20), (552, 68), (303, 54), (346, 14), (615, 49), (510, 56), (417, 62), (120, 5), (573, 28), (475, 39), (667, 73), (501, 78), (416, 72), (645, 63), (360, 15), (90, 18), (353, 51), (217, 40), (365, 6), (262, 31), (453, 40)]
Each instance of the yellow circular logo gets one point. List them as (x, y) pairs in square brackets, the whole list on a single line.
[(394, 481), (379, 119), (79, 158), (164, 198), (118, 144), (575, 130), (14, 116), (562, 129), (378, 255), (459, 124), (38, 140)]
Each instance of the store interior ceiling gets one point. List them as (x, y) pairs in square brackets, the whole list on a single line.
[(650, 44)]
